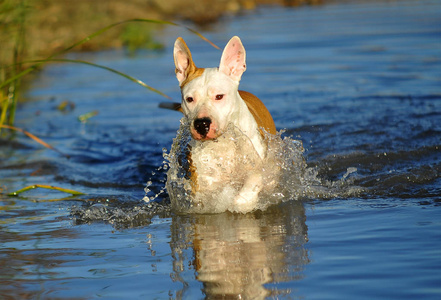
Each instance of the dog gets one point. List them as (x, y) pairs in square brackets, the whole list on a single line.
[(212, 105)]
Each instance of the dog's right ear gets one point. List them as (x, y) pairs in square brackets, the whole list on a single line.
[(233, 59), (183, 62)]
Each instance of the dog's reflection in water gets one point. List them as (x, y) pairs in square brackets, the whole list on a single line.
[(235, 255)]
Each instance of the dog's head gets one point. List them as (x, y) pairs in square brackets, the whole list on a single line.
[(210, 96)]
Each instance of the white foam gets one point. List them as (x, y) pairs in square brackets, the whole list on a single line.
[(284, 172)]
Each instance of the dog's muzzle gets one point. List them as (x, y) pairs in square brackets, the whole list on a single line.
[(202, 126)]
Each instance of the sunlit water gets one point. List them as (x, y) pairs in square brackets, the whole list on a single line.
[(358, 84)]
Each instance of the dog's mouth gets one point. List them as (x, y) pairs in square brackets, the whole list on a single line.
[(204, 129)]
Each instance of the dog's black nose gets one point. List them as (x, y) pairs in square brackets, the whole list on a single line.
[(202, 126)]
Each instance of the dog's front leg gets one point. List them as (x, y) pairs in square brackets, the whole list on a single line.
[(248, 196)]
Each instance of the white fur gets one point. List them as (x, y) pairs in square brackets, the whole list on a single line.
[(230, 110)]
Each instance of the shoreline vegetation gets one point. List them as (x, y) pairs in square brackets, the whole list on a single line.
[(43, 30), (35, 29)]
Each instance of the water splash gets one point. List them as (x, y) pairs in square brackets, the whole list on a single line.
[(284, 171), (121, 213)]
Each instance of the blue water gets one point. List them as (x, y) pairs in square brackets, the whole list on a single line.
[(359, 84)]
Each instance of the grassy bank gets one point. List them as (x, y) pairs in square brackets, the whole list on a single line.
[(41, 27), (37, 29)]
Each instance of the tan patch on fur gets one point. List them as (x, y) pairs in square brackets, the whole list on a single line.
[(191, 71), (192, 74), (193, 175), (259, 111)]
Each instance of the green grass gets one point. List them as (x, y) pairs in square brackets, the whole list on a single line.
[(13, 16), (139, 36), (43, 186)]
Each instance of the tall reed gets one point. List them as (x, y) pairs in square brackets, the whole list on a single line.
[(13, 15)]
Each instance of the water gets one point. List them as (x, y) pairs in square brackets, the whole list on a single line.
[(359, 84), (281, 172)]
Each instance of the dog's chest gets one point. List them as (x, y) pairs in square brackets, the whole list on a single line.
[(226, 160), (213, 161)]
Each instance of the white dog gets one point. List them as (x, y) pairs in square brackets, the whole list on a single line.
[(212, 105)]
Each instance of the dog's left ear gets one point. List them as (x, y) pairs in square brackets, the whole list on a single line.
[(233, 59), (183, 62)]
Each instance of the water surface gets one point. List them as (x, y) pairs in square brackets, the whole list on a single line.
[(359, 84)]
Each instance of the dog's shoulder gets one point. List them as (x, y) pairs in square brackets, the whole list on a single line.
[(259, 111)]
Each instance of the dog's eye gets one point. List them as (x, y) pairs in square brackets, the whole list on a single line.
[(189, 99), (219, 97)]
